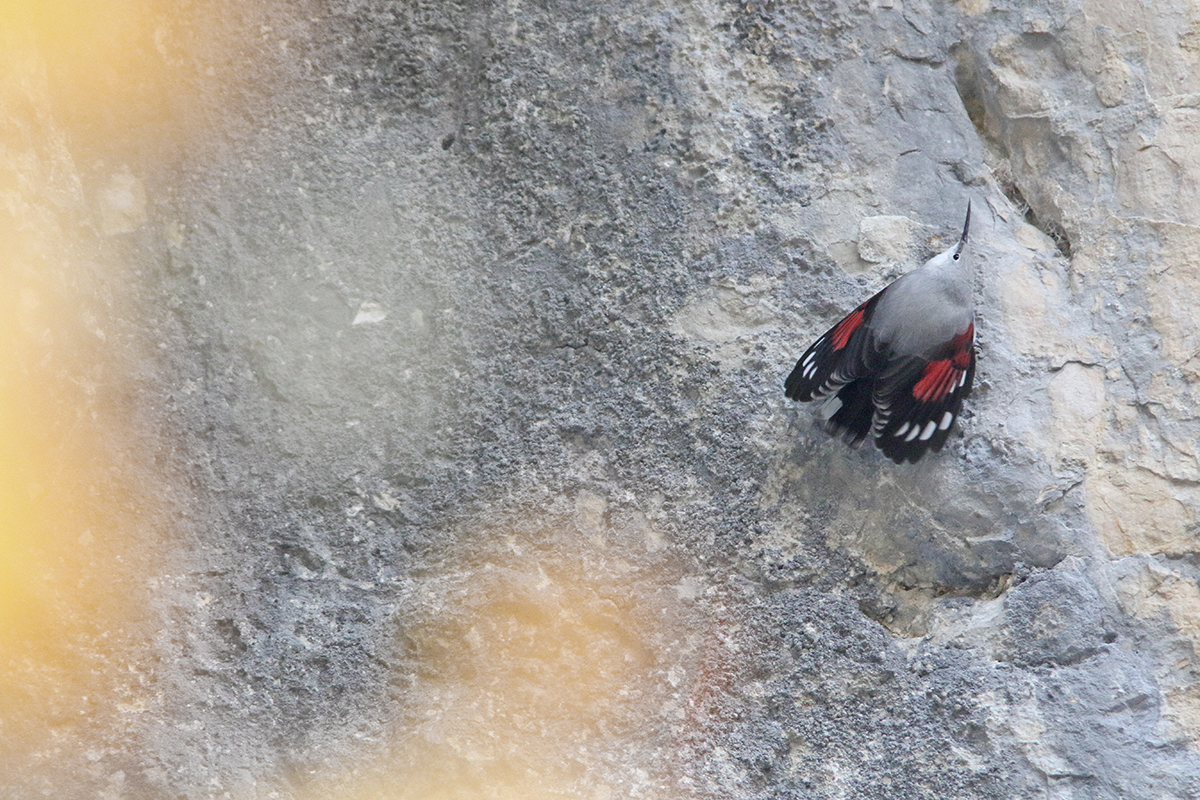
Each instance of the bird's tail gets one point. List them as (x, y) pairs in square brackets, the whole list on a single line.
[(848, 413)]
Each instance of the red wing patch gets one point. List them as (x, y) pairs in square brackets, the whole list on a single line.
[(939, 378), (942, 377), (918, 402), (841, 332), (845, 352)]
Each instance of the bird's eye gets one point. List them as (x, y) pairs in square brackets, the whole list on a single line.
[(956, 256)]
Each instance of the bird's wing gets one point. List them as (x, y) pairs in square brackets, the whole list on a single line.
[(843, 353), (917, 400)]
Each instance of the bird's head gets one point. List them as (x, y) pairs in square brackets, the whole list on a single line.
[(954, 258)]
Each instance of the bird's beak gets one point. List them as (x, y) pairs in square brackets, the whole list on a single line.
[(966, 229)]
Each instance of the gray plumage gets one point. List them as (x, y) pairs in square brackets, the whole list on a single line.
[(898, 367), (925, 308)]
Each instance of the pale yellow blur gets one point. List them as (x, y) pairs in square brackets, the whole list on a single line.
[(74, 523), (537, 672), (522, 667)]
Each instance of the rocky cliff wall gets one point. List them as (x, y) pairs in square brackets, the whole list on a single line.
[(403, 388)]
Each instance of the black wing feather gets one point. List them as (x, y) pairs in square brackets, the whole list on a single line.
[(908, 404), (856, 409), (902, 419), (824, 368)]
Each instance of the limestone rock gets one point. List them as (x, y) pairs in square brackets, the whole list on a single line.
[(400, 390)]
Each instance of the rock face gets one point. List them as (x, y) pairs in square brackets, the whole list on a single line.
[(407, 380)]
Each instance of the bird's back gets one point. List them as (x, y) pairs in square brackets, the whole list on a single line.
[(926, 308)]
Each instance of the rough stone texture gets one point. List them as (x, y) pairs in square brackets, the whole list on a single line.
[(408, 384)]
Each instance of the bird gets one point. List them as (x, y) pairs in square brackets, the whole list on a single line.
[(898, 367)]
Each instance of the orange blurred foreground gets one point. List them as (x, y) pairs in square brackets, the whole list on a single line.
[(537, 670), (72, 623), (541, 666)]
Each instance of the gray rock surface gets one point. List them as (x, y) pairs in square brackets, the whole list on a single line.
[(404, 393)]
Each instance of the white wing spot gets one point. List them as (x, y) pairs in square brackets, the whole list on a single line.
[(947, 420), (808, 358), (930, 427), (810, 370), (962, 379), (831, 407), (903, 429), (913, 433)]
